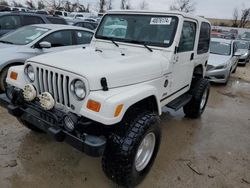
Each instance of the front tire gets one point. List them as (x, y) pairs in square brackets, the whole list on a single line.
[(30, 126), (129, 156), (200, 90), (3, 77)]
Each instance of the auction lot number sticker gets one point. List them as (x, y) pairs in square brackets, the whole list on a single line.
[(160, 21)]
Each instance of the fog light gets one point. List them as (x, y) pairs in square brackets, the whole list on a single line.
[(29, 92), (70, 122), (47, 102)]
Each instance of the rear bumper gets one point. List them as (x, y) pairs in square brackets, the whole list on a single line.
[(50, 122)]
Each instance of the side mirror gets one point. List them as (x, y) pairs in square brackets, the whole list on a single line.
[(45, 44), (237, 54)]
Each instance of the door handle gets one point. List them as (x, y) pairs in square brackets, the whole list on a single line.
[(192, 56)]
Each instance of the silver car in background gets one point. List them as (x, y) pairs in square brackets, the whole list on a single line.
[(29, 41), (244, 49), (223, 60)]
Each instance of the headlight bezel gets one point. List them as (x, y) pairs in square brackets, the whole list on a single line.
[(80, 85), (27, 70)]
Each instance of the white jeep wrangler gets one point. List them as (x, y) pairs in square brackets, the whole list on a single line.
[(105, 100)]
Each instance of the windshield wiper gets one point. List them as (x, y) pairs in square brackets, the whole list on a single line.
[(115, 43), (6, 42), (146, 46)]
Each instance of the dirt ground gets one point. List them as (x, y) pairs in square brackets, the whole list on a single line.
[(213, 151)]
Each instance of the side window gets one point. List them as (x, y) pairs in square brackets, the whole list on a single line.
[(204, 39), (83, 37), (187, 37), (10, 22), (28, 20), (59, 38)]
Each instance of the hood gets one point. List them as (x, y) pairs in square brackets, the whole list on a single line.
[(216, 60), (119, 68)]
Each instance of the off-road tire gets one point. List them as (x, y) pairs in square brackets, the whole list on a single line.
[(30, 126), (118, 161), (198, 87), (3, 77)]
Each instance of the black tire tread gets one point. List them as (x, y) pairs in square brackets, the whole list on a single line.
[(118, 159), (192, 109)]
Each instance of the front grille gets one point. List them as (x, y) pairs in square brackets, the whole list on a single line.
[(209, 67), (55, 83)]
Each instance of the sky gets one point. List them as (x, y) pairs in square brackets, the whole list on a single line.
[(207, 8)]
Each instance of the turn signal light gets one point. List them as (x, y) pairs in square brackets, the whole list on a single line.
[(118, 110), (94, 106), (13, 75)]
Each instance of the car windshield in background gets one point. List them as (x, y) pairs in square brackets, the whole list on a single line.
[(220, 48), (139, 29), (242, 45), (24, 35)]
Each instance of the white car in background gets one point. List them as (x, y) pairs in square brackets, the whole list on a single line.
[(222, 61), (244, 49), (29, 41)]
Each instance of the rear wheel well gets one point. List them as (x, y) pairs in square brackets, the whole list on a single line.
[(198, 71)]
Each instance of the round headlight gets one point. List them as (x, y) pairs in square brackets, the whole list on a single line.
[(30, 73), (78, 88)]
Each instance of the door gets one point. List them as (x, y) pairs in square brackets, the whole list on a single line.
[(184, 63)]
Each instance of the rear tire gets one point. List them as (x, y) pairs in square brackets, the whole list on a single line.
[(30, 126), (123, 158), (200, 90)]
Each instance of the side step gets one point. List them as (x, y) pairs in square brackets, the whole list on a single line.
[(179, 102)]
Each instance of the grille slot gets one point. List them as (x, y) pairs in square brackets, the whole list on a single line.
[(54, 83)]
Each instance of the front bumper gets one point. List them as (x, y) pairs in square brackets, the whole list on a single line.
[(51, 122), (218, 75)]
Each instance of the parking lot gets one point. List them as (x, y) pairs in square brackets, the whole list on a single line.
[(213, 151)]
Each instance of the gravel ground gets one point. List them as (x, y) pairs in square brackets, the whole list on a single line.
[(213, 151)]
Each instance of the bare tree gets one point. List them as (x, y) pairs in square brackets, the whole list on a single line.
[(110, 5), (235, 17), (183, 6), (17, 4), (30, 4), (4, 3), (54, 4), (245, 17), (40, 5), (102, 5), (125, 4), (143, 5), (88, 7)]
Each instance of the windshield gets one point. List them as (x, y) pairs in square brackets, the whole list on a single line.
[(220, 48), (139, 29), (242, 45), (24, 35)]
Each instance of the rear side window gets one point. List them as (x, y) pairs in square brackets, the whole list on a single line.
[(10, 22), (204, 40), (187, 37), (56, 20), (83, 37), (29, 20), (59, 38)]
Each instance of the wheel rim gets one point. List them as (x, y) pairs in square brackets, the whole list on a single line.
[(145, 152), (204, 99)]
